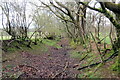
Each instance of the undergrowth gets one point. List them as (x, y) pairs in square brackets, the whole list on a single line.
[(22, 45), (110, 68)]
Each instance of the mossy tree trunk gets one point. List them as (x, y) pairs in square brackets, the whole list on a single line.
[(118, 31), (115, 8)]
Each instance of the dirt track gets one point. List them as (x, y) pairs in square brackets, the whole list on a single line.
[(54, 64)]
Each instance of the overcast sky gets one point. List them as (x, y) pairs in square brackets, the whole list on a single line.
[(29, 7)]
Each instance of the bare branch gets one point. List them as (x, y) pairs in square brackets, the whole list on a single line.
[(68, 10), (61, 17)]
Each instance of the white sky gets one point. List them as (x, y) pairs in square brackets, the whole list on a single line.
[(29, 7)]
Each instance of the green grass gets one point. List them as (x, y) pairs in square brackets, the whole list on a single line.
[(9, 37), (37, 49), (5, 37), (96, 71), (79, 54), (75, 54), (90, 73), (107, 40), (51, 43)]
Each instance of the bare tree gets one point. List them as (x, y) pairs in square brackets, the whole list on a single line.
[(114, 20), (14, 14), (72, 13)]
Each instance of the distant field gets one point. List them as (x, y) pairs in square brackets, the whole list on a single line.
[(107, 39), (8, 37), (5, 37), (103, 35)]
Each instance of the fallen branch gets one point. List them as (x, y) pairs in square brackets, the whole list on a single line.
[(8, 44), (91, 65), (67, 63), (84, 57), (103, 38)]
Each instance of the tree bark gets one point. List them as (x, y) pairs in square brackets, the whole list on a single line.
[(115, 8)]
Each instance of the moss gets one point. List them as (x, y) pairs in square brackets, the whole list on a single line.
[(11, 49), (90, 73), (115, 66), (111, 18), (74, 43), (112, 6), (51, 43), (75, 54)]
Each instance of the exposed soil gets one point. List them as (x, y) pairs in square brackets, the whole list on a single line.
[(56, 63)]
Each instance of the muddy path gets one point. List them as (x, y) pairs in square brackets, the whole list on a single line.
[(56, 63)]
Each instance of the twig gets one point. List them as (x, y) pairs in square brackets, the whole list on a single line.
[(104, 38), (102, 60), (91, 65), (84, 57), (80, 61), (8, 44), (67, 63)]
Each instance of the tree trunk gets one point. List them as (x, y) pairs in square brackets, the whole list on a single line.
[(116, 23), (118, 30), (115, 8), (118, 38)]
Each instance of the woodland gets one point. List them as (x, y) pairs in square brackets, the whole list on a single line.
[(59, 39)]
